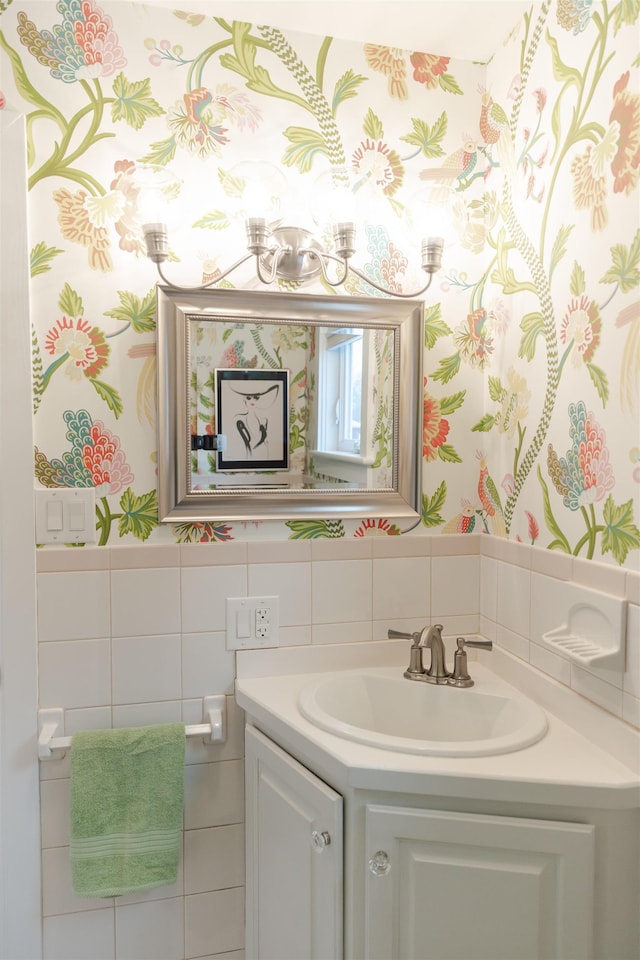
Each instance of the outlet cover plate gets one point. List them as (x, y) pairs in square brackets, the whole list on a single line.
[(252, 622)]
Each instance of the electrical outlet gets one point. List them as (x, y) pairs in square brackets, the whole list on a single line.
[(263, 622), (252, 622)]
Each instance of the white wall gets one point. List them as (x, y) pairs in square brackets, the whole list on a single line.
[(20, 924)]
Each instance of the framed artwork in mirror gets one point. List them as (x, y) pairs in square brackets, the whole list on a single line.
[(253, 417)]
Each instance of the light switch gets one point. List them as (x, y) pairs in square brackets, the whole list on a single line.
[(65, 515), (76, 516), (54, 515), (243, 623)]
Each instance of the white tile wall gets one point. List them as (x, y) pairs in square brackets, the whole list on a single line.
[(214, 921), (551, 601), (150, 931), (230, 955), (604, 694), (605, 578), (341, 591), (144, 714), (633, 586), (74, 673), (214, 858), (514, 598), (57, 894), (145, 602), (515, 643), (489, 588), (145, 669), (134, 636), (204, 591), (631, 709), (401, 588), (54, 812), (80, 936), (213, 794), (631, 681), (550, 663), (358, 631), (455, 586), (73, 606), (291, 582), (295, 636), (207, 665), (534, 583)]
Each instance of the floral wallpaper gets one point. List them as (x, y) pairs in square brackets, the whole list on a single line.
[(532, 326), (561, 413)]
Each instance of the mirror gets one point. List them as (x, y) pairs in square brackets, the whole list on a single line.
[(273, 406)]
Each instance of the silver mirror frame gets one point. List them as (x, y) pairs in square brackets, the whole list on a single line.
[(178, 503)]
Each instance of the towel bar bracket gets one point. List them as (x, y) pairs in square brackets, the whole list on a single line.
[(214, 711), (53, 746), (50, 722)]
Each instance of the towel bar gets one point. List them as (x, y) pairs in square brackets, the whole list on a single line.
[(51, 721)]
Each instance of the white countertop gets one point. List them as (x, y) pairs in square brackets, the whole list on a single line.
[(565, 767)]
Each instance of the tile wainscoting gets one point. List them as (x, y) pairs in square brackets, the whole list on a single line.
[(136, 635)]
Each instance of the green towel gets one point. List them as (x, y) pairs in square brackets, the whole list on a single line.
[(127, 795)]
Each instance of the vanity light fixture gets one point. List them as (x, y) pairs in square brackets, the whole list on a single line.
[(294, 254), (261, 196)]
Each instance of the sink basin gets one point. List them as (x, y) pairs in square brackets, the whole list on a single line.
[(381, 708)]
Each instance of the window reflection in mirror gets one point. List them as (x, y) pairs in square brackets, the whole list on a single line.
[(340, 360), (354, 406)]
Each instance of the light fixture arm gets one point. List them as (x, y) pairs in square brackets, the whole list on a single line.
[(276, 254), (323, 266), (391, 293), (203, 286)]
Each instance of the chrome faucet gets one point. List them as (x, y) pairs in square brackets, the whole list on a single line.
[(431, 638), (437, 672)]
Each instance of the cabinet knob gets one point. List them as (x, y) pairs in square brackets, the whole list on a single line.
[(320, 840), (379, 864)]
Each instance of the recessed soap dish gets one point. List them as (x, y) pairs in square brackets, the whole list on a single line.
[(593, 635)]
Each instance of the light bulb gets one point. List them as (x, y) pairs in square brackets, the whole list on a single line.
[(157, 187), (429, 217), (332, 200), (257, 190)]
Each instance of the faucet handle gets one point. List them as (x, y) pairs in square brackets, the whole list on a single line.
[(483, 644), (416, 666), (401, 635), (460, 675)]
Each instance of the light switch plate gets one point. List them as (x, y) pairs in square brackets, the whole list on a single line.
[(252, 622), (65, 515)]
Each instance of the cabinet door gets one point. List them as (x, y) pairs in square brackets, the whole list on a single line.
[(455, 886), (294, 858)]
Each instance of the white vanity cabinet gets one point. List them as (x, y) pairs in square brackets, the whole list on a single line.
[(376, 875), (294, 858), (463, 886), (360, 853)]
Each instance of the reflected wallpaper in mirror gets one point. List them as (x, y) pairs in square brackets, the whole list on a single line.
[(308, 406)]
